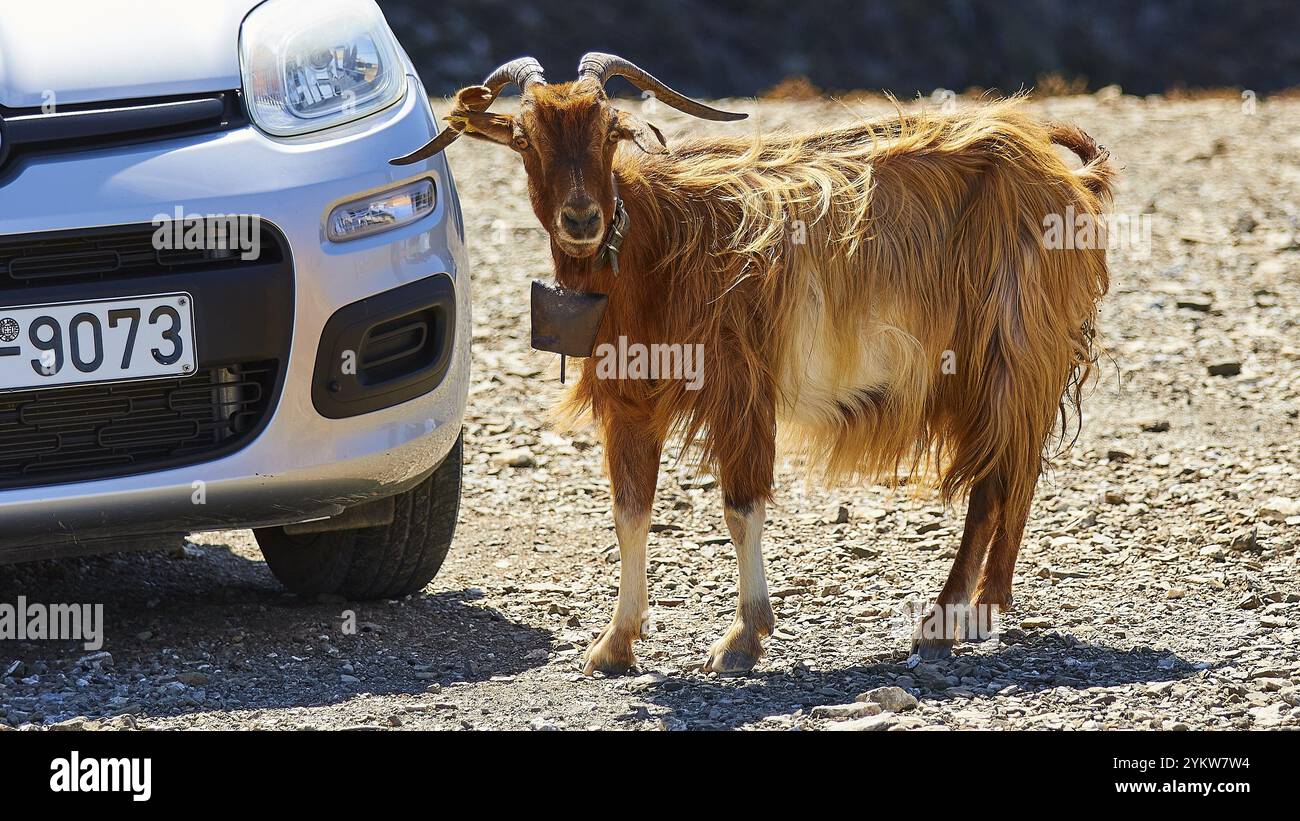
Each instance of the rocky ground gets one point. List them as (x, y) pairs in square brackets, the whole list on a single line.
[(1156, 587)]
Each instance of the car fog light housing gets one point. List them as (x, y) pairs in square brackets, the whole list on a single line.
[(383, 211)]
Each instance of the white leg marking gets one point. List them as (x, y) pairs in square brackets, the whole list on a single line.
[(746, 534), (633, 529)]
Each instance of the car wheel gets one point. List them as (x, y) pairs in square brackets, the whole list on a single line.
[(374, 562)]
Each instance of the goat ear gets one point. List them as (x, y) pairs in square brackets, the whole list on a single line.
[(497, 128), (474, 98), (647, 137)]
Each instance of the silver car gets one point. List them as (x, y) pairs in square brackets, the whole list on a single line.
[(220, 306)]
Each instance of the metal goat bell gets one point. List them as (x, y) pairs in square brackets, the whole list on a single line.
[(564, 321)]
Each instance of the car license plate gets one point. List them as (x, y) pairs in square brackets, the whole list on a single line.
[(105, 340)]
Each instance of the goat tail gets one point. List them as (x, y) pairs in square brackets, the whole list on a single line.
[(1098, 172)]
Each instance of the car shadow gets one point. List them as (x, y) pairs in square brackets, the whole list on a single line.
[(211, 630), (1026, 663)]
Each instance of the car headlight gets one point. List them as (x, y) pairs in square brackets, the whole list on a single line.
[(314, 64)]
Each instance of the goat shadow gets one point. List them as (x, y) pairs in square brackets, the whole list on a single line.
[(1033, 663)]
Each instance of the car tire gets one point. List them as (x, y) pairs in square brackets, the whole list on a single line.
[(384, 562)]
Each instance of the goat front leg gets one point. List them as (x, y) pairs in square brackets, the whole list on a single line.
[(632, 459), (742, 645), (746, 479)]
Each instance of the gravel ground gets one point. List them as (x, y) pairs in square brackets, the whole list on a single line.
[(1156, 586)]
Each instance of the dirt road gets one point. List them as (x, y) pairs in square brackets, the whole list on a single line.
[(1157, 586)]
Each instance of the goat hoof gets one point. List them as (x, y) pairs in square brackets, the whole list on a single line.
[(736, 652), (932, 649), (980, 624), (611, 653)]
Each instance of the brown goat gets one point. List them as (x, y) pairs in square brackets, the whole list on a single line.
[(880, 291)]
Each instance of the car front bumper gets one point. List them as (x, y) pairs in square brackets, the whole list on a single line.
[(301, 465)]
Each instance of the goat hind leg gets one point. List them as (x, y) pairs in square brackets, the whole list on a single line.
[(945, 619), (746, 479), (994, 587)]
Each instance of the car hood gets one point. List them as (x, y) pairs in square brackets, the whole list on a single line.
[(82, 51)]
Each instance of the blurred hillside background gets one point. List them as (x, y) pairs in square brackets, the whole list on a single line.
[(716, 48)]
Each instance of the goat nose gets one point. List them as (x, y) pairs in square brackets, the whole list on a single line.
[(582, 221)]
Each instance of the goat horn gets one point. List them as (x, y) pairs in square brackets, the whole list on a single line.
[(522, 72), (601, 67)]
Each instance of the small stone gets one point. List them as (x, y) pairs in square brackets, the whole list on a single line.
[(96, 660), (541, 725), (1267, 716), (515, 458), (839, 712), (1251, 602), (73, 724), (1201, 304), (704, 481), (192, 678), (1244, 541), (1152, 425), (1118, 454), (125, 721), (1278, 509), (1114, 497), (347, 679), (869, 724), (1175, 593), (1035, 623), (836, 515), (1224, 368), (893, 699)]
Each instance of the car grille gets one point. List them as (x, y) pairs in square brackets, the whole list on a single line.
[(92, 126), (87, 432), (119, 252)]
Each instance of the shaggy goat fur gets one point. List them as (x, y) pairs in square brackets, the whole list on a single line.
[(882, 292), (826, 275)]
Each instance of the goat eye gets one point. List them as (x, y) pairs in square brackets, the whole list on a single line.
[(614, 136), (520, 143)]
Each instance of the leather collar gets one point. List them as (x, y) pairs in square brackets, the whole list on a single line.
[(612, 244)]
